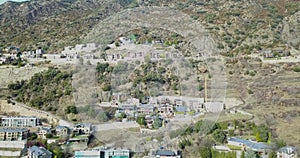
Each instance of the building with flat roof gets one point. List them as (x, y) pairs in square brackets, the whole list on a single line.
[(260, 148), (103, 153), (19, 121), (13, 134), (39, 152), (163, 153)]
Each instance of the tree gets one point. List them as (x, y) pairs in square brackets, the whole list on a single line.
[(33, 136), (141, 120), (205, 152), (272, 155), (183, 143), (56, 150), (106, 87), (200, 87), (250, 154), (103, 117), (243, 154), (157, 122), (262, 133), (71, 109), (219, 136), (49, 135), (123, 115), (207, 127)]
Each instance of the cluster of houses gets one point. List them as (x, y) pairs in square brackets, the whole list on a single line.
[(276, 52), (9, 56), (76, 51), (155, 54), (15, 131), (168, 106), (12, 53), (165, 107), (89, 52), (38, 53)]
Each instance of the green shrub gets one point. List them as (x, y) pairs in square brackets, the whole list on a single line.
[(296, 69)]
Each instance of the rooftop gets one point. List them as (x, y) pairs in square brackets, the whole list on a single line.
[(39, 151), (287, 149), (165, 153), (7, 129), (61, 127), (16, 117), (251, 144)]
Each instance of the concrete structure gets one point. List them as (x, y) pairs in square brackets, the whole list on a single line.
[(20, 121), (38, 152), (13, 148), (214, 106), (13, 134), (103, 153), (287, 152)]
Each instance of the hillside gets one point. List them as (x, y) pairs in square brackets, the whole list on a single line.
[(242, 30), (52, 24), (239, 25)]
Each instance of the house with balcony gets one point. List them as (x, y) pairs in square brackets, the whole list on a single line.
[(82, 129), (61, 131), (13, 134), (43, 131)]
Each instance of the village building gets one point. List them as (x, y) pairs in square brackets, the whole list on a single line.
[(83, 129), (103, 153), (19, 121), (39, 152), (287, 152)]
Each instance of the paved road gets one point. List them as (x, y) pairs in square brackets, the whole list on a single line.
[(98, 127), (115, 126), (47, 114)]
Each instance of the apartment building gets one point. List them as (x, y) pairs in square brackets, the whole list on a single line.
[(19, 121)]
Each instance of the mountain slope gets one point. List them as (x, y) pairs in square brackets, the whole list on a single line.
[(52, 24)]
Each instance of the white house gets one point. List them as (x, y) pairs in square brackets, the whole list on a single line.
[(287, 152)]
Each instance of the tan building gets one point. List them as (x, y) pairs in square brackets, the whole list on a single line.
[(62, 131), (13, 134)]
